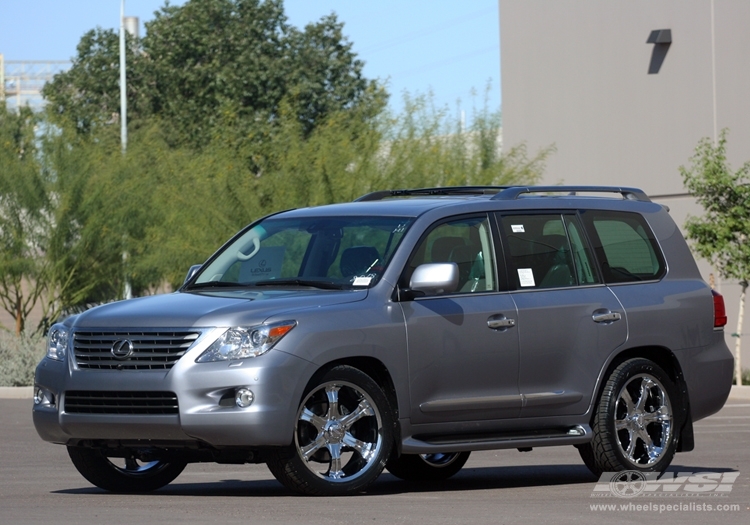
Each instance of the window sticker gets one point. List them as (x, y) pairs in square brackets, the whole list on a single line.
[(526, 277), (362, 281), (517, 228)]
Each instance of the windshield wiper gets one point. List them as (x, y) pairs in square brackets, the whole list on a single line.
[(217, 284), (323, 285)]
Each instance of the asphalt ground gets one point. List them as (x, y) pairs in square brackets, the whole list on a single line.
[(38, 484)]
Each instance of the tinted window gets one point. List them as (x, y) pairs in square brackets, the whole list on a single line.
[(346, 251), (625, 246), (466, 242), (538, 250)]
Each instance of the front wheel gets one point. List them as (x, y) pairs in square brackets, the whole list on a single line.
[(634, 424), (342, 438), (427, 467), (128, 474)]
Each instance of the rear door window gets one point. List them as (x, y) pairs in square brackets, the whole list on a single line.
[(547, 251)]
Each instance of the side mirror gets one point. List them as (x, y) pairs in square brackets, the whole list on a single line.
[(191, 272), (435, 278)]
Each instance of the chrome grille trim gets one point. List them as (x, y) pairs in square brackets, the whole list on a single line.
[(120, 402), (151, 350)]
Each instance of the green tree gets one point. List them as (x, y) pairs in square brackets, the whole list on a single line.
[(722, 235), (23, 203), (210, 66), (86, 97)]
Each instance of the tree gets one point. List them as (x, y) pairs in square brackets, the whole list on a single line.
[(23, 203), (722, 235), (210, 66)]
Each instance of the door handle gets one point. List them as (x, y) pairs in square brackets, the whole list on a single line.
[(500, 322), (606, 316)]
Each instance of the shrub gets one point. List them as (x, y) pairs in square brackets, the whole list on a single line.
[(19, 356)]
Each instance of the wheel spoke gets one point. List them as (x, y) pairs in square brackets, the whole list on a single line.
[(631, 446), (621, 424), (625, 396), (312, 418), (362, 410), (131, 464), (332, 393), (660, 416), (335, 471), (362, 448), (646, 385), (310, 449)]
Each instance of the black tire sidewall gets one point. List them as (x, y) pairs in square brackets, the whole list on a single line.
[(411, 467), (93, 465), (290, 469), (607, 410)]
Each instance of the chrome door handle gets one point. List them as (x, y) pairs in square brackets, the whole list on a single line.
[(500, 321), (606, 316)]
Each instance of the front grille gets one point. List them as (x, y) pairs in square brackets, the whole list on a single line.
[(151, 350), (104, 402)]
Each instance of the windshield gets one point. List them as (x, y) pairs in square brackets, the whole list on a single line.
[(325, 252)]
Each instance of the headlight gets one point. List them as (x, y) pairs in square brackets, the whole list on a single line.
[(57, 342), (240, 343)]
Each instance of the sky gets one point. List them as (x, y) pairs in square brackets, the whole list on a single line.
[(448, 47)]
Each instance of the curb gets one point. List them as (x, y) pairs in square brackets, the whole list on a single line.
[(741, 393), (738, 393), (16, 392)]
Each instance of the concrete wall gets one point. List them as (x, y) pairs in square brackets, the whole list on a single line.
[(579, 74)]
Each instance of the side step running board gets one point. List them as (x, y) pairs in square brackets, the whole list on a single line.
[(553, 437)]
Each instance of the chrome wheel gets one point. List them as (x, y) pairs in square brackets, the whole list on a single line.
[(643, 420), (635, 425), (440, 459), (126, 473), (342, 437), (437, 466), (339, 432)]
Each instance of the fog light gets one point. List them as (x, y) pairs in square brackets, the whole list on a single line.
[(38, 396), (43, 397), (244, 397)]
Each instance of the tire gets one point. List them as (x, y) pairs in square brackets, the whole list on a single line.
[(427, 467), (342, 438), (634, 425), (128, 475)]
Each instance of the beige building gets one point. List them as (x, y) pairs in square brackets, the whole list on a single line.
[(625, 90)]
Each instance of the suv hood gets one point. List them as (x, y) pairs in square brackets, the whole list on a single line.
[(209, 308)]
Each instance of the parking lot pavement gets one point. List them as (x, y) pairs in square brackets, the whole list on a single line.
[(38, 484)]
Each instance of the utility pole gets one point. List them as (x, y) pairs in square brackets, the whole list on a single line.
[(128, 292), (123, 85)]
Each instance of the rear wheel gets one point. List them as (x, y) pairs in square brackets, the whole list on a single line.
[(343, 436), (427, 467), (634, 425), (132, 473)]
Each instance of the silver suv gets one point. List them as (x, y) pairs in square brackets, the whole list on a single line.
[(400, 331)]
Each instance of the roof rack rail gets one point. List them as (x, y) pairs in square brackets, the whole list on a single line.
[(447, 190), (633, 194)]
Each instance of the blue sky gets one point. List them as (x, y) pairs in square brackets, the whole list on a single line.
[(449, 47)]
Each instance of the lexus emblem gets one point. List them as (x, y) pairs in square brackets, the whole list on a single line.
[(122, 349)]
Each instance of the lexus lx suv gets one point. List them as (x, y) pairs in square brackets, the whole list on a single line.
[(400, 331)]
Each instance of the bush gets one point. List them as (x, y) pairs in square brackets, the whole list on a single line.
[(746, 376), (19, 356)]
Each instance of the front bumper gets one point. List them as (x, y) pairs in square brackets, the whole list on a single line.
[(276, 380)]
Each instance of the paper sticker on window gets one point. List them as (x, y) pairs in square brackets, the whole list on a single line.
[(526, 277), (265, 264), (362, 281), (517, 228)]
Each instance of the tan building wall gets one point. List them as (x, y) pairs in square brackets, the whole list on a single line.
[(580, 74)]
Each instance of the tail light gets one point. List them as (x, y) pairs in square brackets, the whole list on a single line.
[(720, 311)]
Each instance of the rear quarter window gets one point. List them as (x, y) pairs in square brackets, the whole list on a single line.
[(625, 246)]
